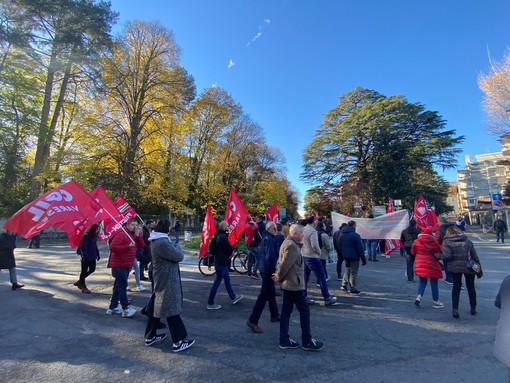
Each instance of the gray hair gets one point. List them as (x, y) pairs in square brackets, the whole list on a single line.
[(270, 224), (295, 229), (223, 226)]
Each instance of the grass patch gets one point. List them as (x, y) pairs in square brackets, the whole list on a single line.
[(194, 244)]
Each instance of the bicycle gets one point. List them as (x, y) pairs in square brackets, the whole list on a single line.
[(239, 263)]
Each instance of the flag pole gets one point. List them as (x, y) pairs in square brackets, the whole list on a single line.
[(121, 225)]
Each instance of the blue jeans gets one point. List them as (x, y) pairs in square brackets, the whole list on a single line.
[(177, 232), (372, 245), (221, 274), (315, 265), (433, 286), (267, 294), (119, 287), (291, 298), (136, 267), (252, 259)]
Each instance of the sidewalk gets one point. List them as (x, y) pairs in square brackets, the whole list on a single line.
[(51, 332)]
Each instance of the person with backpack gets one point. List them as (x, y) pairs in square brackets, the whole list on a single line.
[(500, 228), (407, 238), (338, 248), (222, 250)]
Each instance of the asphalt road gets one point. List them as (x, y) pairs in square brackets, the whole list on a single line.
[(51, 332)]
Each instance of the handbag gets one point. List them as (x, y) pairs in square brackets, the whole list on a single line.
[(473, 266)]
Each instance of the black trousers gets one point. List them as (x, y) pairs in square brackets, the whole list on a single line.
[(175, 324), (470, 287), (87, 268)]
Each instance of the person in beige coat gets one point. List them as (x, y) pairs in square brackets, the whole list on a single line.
[(502, 342), (290, 274)]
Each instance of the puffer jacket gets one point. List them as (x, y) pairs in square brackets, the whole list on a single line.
[(426, 264), (457, 248), (409, 235), (352, 245), (122, 253)]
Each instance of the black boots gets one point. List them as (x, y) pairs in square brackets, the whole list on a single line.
[(16, 286), (473, 310)]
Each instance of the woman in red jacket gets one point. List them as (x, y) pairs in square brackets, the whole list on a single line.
[(426, 265), (122, 256)]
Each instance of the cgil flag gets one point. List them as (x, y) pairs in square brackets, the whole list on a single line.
[(391, 244), (208, 231), (113, 225), (272, 213), (424, 216), (108, 210), (235, 215), (63, 208)]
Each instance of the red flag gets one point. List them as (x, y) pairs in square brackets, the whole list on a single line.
[(391, 244), (108, 210), (272, 213), (208, 231), (424, 216), (235, 215), (112, 226), (63, 208)]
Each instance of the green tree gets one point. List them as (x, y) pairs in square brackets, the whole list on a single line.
[(371, 147), (64, 37)]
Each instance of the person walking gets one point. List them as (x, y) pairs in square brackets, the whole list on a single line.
[(326, 246), (338, 249), (252, 237), (122, 255), (500, 228), (268, 256), (167, 288), (502, 341), (427, 266), (177, 231), (351, 245), (311, 253), (289, 274), (372, 246), (457, 249), (407, 237), (89, 254), (222, 250), (7, 261)]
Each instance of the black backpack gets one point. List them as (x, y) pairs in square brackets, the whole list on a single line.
[(213, 246)]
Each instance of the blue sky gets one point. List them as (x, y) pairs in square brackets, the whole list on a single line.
[(287, 62)]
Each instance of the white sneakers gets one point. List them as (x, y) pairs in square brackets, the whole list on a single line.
[(141, 288), (128, 312), (116, 310)]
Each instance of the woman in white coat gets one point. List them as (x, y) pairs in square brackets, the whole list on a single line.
[(502, 342)]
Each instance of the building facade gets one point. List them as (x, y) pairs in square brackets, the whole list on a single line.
[(477, 182)]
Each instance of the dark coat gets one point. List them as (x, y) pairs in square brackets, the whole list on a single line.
[(352, 245), (409, 235), (223, 249), (457, 248), (7, 246), (167, 277), (268, 255), (89, 250), (426, 264)]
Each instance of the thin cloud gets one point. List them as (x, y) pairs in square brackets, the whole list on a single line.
[(259, 33), (231, 63)]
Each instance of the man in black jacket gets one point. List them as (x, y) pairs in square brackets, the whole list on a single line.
[(407, 238)]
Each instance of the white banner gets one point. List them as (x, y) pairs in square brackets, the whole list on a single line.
[(387, 226)]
